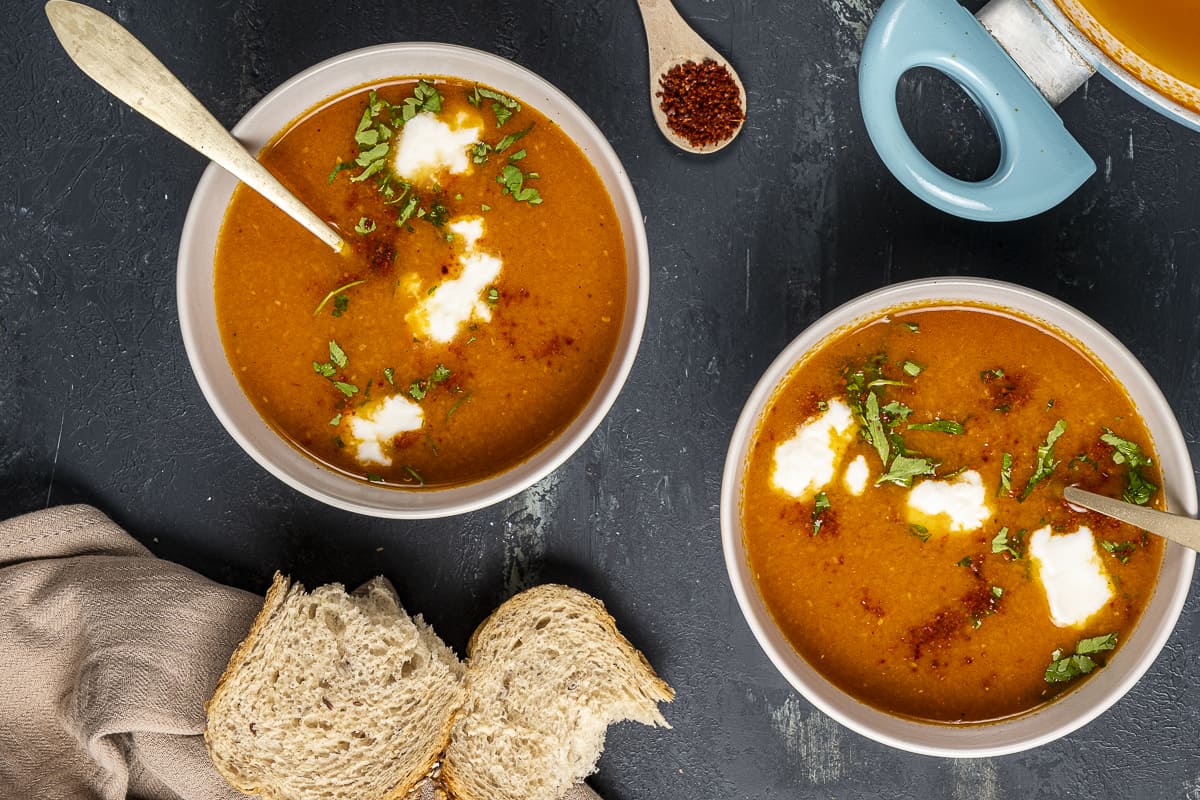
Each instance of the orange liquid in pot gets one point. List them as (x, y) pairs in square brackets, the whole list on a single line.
[(1159, 34)]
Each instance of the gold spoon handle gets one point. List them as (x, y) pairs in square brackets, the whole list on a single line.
[(1184, 530), (111, 56)]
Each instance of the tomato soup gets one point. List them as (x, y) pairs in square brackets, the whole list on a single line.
[(479, 306), (1155, 40), (903, 515)]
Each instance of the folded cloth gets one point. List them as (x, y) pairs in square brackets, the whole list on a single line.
[(107, 656)]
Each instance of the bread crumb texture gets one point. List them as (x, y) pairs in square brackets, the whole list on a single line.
[(548, 673), (333, 696)]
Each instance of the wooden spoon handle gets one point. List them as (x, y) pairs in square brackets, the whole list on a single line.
[(1184, 530), (112, 57)]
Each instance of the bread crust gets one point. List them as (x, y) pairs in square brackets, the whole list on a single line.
[(530, 599), (280, 584), (276, 595)]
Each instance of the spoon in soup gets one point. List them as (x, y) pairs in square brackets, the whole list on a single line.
[(111, 56), (1184, 530), (697, 99)]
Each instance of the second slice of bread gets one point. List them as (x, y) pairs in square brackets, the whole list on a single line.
[(548, 673), (333, 697)]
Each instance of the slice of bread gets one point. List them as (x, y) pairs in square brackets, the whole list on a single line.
[(548, 672), (333, 697)]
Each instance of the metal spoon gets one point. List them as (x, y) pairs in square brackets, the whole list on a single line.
[(111, 56), (672, 41), (1184, 530)]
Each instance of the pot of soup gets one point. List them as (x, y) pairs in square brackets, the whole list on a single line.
[(484, 316), (1018, 59), (894, 527)]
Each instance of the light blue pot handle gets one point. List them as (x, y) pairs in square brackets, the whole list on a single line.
[(1040, 163)]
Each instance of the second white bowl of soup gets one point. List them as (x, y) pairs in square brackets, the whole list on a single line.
[(894, 529), (484, 316)]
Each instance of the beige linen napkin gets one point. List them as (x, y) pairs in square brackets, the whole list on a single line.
[(107, 655)]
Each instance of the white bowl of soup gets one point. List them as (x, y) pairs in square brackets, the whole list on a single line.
[(484, 316), (893, 524)]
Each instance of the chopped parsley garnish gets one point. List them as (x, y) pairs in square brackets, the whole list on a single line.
[(348, 389), (419, 388), (513, 181), (912, 326), (877, 425), (493, 295), (338, 167), (1119, 550), (454, 407), (1000, 544), (509, 140), (340, 304), (503, 107), (337, 355), (820, 506), (438, 214), (337, 420), (336, 292), (904, 469), (479, 152), (912, 368), (997, 592), (374, 477), (324, 370), (919, 531), (965, 561), (407, 210), (517, 156), (1081, 663), (874, 432), (365, 225), (1137, 489), (1006, 465), (991, 375), (1045, 458), (425, 98), (485, 207), (940, 426), (1050, 404), (1083, 458), (390, 374)]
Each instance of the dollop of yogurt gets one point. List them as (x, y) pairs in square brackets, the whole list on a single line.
[(374, 426), (958, 504), (426, 146), (1071, 573), (806, 463), (442, 310)]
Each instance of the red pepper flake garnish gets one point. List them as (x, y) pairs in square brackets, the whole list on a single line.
[(701, 102)]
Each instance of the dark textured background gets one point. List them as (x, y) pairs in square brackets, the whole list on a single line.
[(97, 402)]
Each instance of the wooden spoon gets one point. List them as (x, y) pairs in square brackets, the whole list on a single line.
[(111, 56), (672, 41), (1184, 530)]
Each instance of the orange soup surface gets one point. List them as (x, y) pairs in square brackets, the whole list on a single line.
[(1162, 32), (904, 522), (479, 306)]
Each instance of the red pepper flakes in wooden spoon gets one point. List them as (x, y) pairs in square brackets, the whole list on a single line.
[(696, 97)]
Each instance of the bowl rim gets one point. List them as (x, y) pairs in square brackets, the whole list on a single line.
[(1067, 712), (360, 68)]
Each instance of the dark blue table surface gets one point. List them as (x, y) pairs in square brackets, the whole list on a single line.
[(97, 402)]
